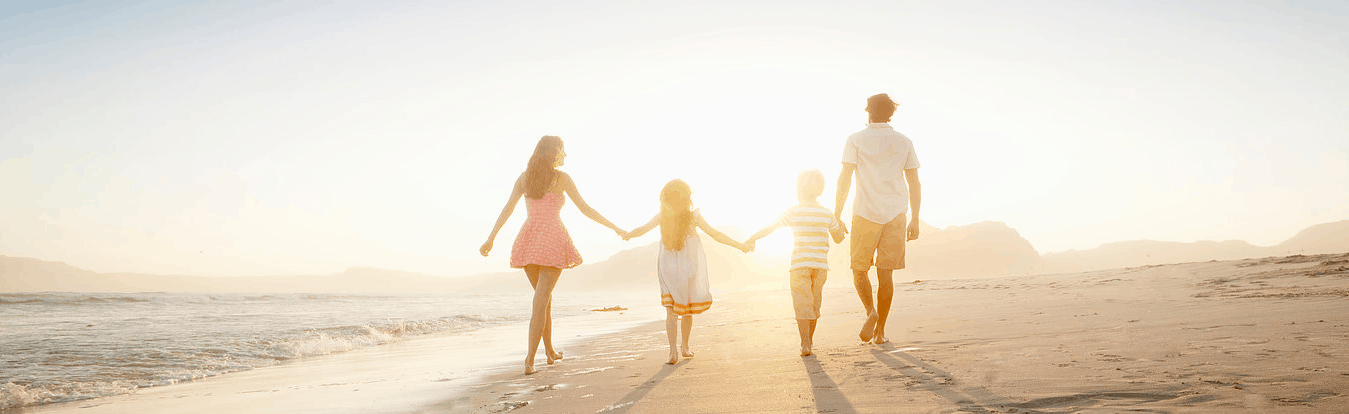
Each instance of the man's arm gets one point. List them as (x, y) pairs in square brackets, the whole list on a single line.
[(915, 200), (844, 186)]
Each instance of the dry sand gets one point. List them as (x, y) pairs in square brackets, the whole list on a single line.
[(1261, 335)]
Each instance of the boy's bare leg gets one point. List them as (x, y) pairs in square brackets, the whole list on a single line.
[(863, 285), (885, 294), (686, 328), (806, 327), (672, 332)]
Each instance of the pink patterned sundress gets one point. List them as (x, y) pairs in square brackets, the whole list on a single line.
[(543, 240)]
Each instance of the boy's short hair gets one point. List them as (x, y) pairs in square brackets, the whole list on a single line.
[(809, 185)]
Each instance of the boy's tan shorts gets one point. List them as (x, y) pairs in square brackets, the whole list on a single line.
[(885, 242), (808, 291)]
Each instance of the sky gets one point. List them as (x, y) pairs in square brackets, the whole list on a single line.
[(252, 138)]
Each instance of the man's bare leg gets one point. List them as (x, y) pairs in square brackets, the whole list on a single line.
[(863, 285), (885, 294)]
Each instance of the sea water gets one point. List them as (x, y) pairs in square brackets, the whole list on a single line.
[(57, 347)]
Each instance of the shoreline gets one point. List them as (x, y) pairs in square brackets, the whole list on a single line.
[(1255, 335), (395, 377)]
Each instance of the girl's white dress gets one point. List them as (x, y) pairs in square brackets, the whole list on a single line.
[(683, 276)]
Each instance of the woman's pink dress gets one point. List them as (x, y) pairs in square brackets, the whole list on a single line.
[(543, 240)]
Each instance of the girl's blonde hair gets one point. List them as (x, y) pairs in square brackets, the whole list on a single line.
[(541, 173), (676, 214), (809, 185)]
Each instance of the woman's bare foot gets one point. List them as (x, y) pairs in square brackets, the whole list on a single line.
[(805, 350), (868, 327), (674, 357), (685, 352), (879, 339), (529, 366), (554, 356)]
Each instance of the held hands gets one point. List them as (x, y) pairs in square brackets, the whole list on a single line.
[(622, 233), (747, 246)]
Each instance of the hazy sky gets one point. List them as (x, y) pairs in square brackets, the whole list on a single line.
[(265, 137)]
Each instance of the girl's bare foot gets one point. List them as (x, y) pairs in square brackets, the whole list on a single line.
[(868, 327), (554, 356), (674, 357), (685, 352)]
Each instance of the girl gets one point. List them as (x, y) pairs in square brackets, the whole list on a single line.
[(543, 248), (681, 266)]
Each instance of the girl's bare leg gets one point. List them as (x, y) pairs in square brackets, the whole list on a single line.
[(543, 296), (552, 354), (671, 320), (687, 328)]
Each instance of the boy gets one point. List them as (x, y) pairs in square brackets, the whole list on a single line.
[(812, 224)]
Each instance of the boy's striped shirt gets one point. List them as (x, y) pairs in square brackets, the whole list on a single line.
[(811, 226)]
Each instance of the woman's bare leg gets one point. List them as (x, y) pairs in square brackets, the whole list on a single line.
[(552, 354), (543, 296)]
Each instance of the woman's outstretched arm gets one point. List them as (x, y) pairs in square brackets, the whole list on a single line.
[(719, 236), (506, 211), (638, 232), (570, 188)]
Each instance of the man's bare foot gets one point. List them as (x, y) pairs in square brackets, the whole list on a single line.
[(684, 350), (554, 356), (805, 350), (674, 358), (868, 327)]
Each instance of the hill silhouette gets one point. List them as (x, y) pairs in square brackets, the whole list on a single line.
[(986, 249)]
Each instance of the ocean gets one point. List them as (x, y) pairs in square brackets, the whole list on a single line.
[(59, 347)]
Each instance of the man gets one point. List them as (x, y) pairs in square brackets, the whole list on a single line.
[(878, 156)]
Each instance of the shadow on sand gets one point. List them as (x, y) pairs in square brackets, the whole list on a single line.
[(625, 403), (828, 399), (970, 399)]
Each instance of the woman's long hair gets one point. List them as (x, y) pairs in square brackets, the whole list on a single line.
[(676, 214), (541, 173)]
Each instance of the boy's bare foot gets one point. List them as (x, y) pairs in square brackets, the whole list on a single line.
[(674, 358), (554, 356), (868, 327), (685, 352)]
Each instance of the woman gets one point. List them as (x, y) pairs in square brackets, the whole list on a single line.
[(543, 248)]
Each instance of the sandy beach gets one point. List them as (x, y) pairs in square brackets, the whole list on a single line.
[(1259, 335)]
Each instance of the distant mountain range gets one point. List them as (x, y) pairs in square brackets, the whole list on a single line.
[(986, 249)]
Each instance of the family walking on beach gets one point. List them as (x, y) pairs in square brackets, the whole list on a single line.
[(881, 159)]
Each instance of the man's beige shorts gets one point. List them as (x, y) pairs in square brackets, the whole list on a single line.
[(884, 242), (807, 291)]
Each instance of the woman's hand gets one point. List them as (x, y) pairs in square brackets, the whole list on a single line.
[(622, 233), (486, 248)]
